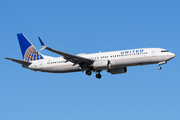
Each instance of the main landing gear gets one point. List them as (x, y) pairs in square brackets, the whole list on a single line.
[(98, 75), (88, 72)]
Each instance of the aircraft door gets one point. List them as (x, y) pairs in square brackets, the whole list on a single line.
[(153, 53)]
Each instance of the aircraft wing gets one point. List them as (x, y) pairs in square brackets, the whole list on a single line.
[(69, 57), (19, 61)]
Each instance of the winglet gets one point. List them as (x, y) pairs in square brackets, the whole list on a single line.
[(42, 43)]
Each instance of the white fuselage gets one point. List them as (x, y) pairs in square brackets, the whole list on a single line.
[(123, 58)]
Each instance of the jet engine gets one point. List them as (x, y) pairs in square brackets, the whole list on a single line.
[(101, 64), (118, 70)]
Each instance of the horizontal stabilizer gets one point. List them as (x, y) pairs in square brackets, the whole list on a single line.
[(19, 61)]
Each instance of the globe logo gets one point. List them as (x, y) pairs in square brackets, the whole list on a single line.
[(32, 54)]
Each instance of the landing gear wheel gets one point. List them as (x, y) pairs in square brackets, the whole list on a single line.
[(88, 72), (98, 76), (159, 67)]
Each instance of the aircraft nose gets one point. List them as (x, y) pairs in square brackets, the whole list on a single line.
[(173, 55)]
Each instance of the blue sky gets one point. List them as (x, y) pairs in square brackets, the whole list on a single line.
[(143, 93)]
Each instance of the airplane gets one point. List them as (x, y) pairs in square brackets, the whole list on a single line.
[(115, 62)]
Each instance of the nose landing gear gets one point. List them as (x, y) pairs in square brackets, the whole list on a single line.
[(159, 67), (161, 63)]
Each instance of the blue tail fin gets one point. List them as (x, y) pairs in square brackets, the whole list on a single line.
[(29, 52)]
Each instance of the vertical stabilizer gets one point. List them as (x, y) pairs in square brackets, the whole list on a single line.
[(29, 52)]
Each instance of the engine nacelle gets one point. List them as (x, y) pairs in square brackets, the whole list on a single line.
[(101, 64), (118, 70)]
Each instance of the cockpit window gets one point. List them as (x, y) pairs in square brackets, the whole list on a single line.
[(164, 51)]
